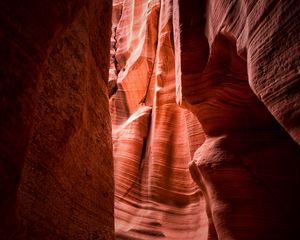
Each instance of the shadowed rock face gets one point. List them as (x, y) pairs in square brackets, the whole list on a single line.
[(56, 179), (234, 66)]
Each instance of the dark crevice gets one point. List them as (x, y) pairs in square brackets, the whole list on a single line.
[(112, 83), (112, 88)]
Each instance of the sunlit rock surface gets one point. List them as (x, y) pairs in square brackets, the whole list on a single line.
[(154, 139), (233, 65)]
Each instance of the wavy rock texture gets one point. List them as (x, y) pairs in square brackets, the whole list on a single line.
[(243, 89), (56, 172), (154, 139), (234, 65)]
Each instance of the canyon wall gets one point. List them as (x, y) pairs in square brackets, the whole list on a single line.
[(213, 87), (154, 139), (245, 93), (203, 99), (56, 171)]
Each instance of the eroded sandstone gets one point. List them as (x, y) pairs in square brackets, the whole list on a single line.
[(201, 99), (229, 65), (248, 165), (154, 139), (56, 171)]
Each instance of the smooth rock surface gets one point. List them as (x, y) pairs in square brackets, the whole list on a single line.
[(154, 139), (243, 89), (233, 65)]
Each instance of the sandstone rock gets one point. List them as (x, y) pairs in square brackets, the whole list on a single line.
[(201, 99), (227, 63), (154, 139), (55, 142), (248, 166)]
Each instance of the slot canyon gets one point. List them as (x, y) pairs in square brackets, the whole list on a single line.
[(149, 119)]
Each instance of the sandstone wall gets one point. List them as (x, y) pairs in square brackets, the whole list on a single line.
[(56, 178), (234, 66), (154, 139), (243, 88)]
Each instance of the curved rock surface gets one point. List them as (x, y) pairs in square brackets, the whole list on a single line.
[(202, 102), (154, 139), (243, 89), (234, 66)]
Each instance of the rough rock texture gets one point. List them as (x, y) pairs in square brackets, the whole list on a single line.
[(56, 179), (235, 66)]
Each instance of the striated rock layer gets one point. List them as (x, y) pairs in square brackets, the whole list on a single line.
[(56, 172), (153, 138), (233, 67), (244, 91)]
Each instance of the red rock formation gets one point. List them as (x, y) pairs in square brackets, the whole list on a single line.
[(204, 105), (224, 57), (248, 166), (154, 139), (55, 141)]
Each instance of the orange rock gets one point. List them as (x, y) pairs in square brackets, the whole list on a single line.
[(221, 61), (248, 165)]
